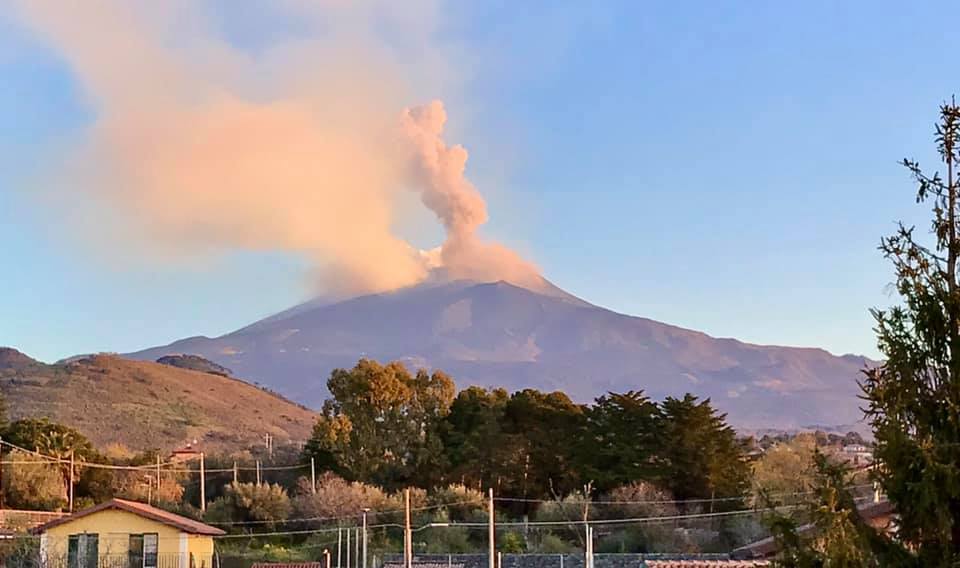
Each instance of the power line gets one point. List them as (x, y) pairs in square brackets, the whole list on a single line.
[(356, 516), (147, 467), (658, 502)]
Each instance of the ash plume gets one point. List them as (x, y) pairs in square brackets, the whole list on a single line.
[(197, 147)]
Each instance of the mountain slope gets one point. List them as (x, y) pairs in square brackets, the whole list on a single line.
[(497, 334), (145, 405)]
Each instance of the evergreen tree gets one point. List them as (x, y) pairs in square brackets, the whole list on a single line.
[(701, 456), (913, 399), (621, 440), (473, 436), (541, 431)]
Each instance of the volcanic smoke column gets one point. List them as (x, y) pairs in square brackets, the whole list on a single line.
[(437, 170)]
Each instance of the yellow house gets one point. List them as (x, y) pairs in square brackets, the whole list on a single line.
[(126, 534)]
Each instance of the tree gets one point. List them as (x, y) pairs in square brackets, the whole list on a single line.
[(621, 440), (53, 440), (473, 436), (785, 468), (701, 455), (836, 535), (913, 398), (541, 431), (264, 503), (33, 483), (383, 424)]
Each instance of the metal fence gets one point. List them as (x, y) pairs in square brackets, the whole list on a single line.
[(575, 560), (34, 560)]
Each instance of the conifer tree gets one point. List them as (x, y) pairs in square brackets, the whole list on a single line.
[(913, 399)]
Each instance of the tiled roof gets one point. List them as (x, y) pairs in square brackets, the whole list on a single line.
[(142, 509)]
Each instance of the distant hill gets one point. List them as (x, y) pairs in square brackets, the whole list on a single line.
[(145, 405), (194, 363), (11, 359), (498, 334)]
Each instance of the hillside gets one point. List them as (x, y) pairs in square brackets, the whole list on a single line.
[(498, 334), (145, 405)]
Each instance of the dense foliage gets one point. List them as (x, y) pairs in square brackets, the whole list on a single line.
[(388, 427)]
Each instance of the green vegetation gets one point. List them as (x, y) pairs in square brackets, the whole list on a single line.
[(386, 426)]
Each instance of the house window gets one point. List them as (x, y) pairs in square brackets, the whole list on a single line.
[(83, 550), (143, 551)]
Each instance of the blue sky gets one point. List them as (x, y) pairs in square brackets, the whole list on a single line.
[(727, 167)]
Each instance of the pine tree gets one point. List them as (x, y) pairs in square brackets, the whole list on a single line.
[(913, 399)]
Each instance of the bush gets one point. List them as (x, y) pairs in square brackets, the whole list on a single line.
[(459, 500), (639, 499), (511, 543), (338, 498), (245, 502), (551, 543)]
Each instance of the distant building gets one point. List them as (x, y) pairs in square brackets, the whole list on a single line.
[(185, 454), (857, 454), (126, 534)]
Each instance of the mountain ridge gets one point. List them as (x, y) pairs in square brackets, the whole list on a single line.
[(499, 334)]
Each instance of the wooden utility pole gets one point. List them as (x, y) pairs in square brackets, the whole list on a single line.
[(313, 474), (492, 535), (203, 486), (71, 482), (407, 531)]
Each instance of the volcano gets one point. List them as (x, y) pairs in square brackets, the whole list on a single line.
[(497, 334)]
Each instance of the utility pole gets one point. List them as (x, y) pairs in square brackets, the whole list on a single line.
[(203, 486), (339, 545), (1, 473), (348, 547), (71, 481), (313, 474), (356, 546), (364, 551), (236, 477), (258, 472), (158, 476), (588, 549), (492, 535), (407, 531)]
